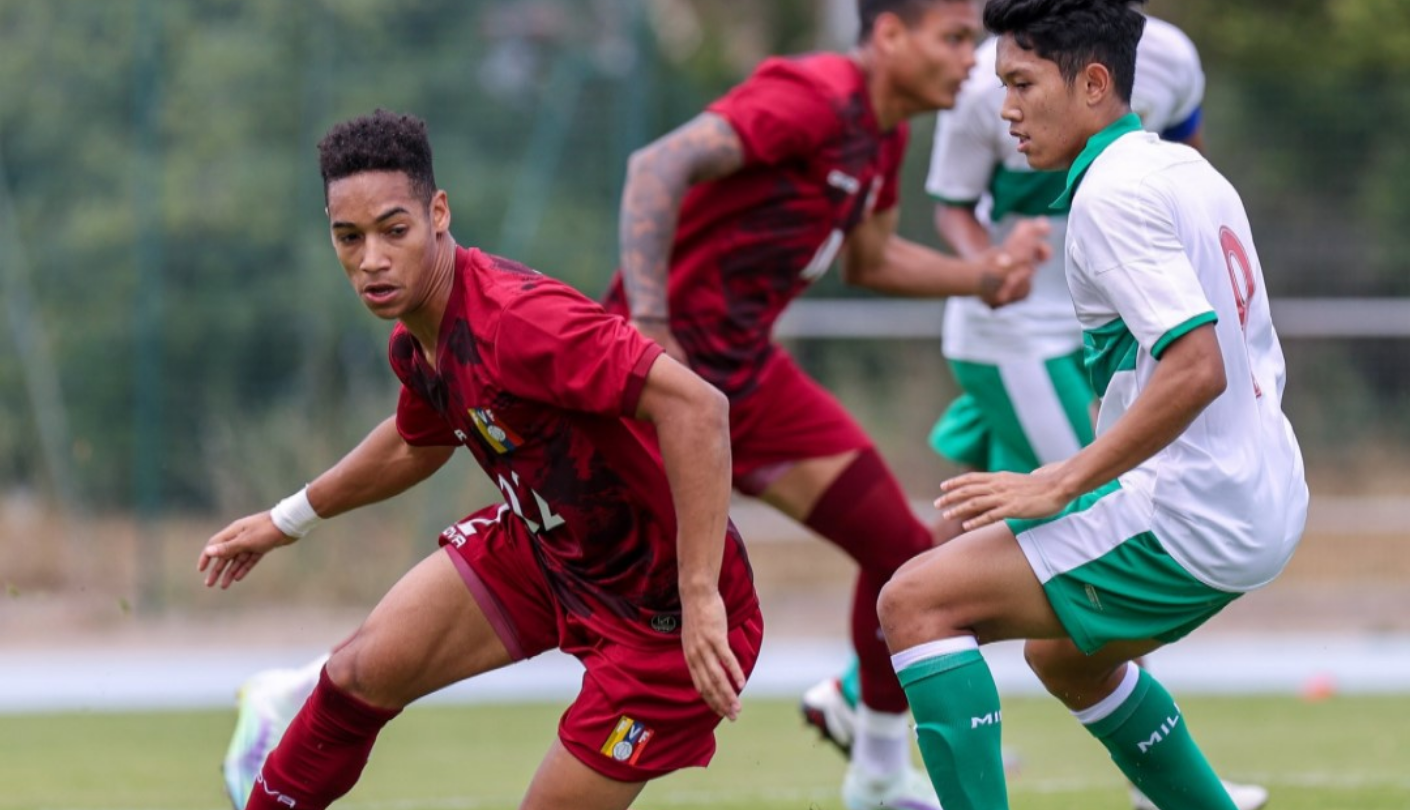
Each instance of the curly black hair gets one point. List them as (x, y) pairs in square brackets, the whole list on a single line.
[(381, 142), (1074, 34)]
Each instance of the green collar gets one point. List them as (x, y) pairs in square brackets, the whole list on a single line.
[(1097, 144)]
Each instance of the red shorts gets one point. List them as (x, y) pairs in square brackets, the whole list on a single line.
[(638, 715), (786, 419)]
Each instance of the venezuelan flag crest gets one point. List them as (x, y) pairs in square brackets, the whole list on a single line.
[(499, 437), (627, 740)]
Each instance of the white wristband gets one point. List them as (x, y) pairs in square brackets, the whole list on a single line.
[(294, 516)]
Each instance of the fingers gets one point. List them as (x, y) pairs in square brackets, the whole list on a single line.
[(969, 498), (717, 676)]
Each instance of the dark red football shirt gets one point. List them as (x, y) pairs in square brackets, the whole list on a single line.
[(816, 165), (539, 383)]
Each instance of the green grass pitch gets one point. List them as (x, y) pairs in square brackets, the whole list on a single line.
[(1341, 753)]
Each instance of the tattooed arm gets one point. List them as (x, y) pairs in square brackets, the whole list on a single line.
[(875, 257), (658, 177)]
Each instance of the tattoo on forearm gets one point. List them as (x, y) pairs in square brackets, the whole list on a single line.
[(706, 148)]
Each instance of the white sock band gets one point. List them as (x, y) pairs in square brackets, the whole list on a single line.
[(294, 516), (1111, 702), (933, 649)]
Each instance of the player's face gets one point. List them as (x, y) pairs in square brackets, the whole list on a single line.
[(935, 54), (385, 237), (1043, 109)]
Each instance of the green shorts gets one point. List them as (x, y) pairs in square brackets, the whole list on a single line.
[(1107, 575), (1017, 416)]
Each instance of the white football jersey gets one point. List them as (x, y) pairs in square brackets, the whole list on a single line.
[(1158, 244), (976, 161)]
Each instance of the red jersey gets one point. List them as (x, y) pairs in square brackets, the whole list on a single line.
[(540, 383), (816, 164)]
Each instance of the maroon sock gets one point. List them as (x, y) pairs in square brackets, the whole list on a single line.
[(322, 754), (867, 515)]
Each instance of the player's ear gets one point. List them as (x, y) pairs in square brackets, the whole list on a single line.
[(887, 31), (440, 211), (1097, 83)]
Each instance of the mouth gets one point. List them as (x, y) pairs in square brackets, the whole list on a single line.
[(378, 294), (1022, 139)]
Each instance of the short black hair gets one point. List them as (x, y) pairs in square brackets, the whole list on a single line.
[(908, 10), (1074, 34), (381, 142)]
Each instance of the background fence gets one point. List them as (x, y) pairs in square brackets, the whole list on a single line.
[(177, 346)]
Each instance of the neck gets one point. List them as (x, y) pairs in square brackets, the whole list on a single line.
[(424, 323), (886, 106)]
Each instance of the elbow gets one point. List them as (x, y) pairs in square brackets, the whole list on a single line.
[(856, 271), (713, 407), (641, 161), (1211, 382)]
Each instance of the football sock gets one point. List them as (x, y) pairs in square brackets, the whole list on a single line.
[(323, 752), (865, 513), (850, 683), (1144, 731), (882, 743), (958, 722)]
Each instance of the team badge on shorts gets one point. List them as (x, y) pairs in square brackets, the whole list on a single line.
[(627, 741)]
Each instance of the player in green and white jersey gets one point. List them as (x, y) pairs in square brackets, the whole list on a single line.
[(1192, 492), (1025, 397)]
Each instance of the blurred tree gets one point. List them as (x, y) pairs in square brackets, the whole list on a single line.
[(533, 106)]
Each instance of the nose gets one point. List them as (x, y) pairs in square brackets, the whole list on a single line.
[(1009, 111), (374, 257)]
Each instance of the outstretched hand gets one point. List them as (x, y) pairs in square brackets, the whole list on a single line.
[(232, 552), (713, 667)]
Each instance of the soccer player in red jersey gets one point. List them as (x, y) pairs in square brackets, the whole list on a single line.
[(609, 547), (730, 217)]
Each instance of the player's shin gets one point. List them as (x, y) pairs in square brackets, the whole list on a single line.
[(322, 753), (958, 721), (1145, 732)]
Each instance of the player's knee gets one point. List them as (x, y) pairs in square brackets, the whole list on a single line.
[(910, 611), (352, 668)]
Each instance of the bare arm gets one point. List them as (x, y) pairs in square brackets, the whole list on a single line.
[(876, 258), (1189, 376), (692, 426), (381, 466), (961, 229), (658, 177)]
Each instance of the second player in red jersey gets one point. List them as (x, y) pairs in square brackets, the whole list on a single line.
[(733, 215)]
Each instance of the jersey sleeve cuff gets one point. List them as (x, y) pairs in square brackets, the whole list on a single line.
[(636, 381), (1180, 331)]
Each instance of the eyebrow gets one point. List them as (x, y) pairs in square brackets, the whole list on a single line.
[(383, 218)]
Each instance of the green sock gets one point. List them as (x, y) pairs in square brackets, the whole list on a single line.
[(1149, 742), (851, 682), (956, 708)]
